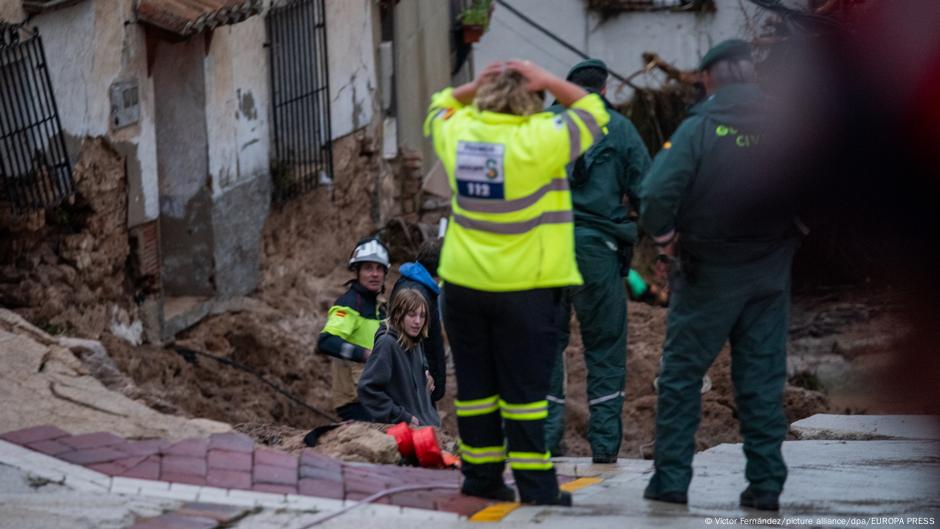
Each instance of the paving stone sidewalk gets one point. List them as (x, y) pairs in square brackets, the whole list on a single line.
[(233, 462)]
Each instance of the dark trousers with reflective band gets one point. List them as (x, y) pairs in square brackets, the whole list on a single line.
[(749, 306), (601, 307), (503, 345)]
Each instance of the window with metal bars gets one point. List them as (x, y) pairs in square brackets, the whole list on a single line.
[(35, 172), (300, 94)]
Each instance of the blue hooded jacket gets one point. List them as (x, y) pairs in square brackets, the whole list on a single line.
[(416, 272)]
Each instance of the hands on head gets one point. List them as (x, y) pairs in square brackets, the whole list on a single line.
[(537, 79)]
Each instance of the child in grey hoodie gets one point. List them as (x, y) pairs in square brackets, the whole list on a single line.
[(395, 386)]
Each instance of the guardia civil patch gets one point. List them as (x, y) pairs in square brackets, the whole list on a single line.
[(480, 170)]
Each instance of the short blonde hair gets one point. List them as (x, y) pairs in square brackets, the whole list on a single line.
[(405, 301), (506, 93)]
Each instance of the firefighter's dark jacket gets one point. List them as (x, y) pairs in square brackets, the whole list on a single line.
[(351, 324)]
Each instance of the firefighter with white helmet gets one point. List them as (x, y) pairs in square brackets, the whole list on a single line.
[(351, 325)]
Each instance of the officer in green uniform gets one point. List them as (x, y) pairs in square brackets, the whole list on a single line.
[(711, 205), (604, 238)]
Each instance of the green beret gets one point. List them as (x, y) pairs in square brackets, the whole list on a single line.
[(589, 63), (728, 49)]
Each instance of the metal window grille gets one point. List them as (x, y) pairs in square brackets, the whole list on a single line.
[(300, 87), (35, 172)]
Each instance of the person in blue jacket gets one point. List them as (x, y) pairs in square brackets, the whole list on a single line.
[(419, 275)]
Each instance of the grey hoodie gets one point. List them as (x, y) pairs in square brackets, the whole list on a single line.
[(393, 386)]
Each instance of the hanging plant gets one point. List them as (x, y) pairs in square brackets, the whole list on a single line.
[(475, 19)]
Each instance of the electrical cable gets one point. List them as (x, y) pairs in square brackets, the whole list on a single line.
[(554, 37), (190, 354), (377, 496)]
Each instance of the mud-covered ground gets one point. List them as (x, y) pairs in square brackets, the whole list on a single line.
[(74, 279), (839, 341)]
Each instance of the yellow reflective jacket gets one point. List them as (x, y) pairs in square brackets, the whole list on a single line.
[(511, 226)]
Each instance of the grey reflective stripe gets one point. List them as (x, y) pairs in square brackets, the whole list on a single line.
[(605, 398), (508, 206), (461, 407), (514, 228), (591, 123), (495, 453), (574, 135), (556, 400), (528, 460), (516, 410)]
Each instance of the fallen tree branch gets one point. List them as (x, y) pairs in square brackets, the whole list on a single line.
[(653, 60)]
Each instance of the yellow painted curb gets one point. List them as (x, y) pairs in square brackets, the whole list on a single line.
[(494, 513), (498, 511), (579, 484)]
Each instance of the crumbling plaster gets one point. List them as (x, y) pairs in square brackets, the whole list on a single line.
[(237, 104), (352, 64), (89, 47)]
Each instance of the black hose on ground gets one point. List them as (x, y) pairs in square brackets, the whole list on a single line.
[(190, 355)]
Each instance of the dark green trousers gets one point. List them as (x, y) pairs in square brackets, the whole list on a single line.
[(601, 308), (747, 305)]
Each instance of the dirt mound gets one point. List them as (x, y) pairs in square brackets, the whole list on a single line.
[(361, 442), (45, 382), (306, 242), (201, 386), (646, 327), (281, 437)]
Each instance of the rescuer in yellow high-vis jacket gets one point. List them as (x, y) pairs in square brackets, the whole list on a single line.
[(351, 325), (509, 248)]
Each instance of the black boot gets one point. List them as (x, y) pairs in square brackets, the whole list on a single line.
[(763, 500), (563, 499), (599, 459), (497, 491), (680, 497)]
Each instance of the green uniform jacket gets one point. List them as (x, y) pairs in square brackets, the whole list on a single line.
[(710, 183), (614, 167)]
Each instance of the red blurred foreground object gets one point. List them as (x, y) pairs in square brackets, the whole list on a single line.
[(403, 437), (426, 448), (450, 460), (422, 445)]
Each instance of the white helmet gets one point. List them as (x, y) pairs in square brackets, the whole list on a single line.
[(369, 250)]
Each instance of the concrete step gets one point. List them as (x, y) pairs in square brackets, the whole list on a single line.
[(867, 427)]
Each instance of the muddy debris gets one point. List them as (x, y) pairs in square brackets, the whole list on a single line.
[(65, 269), (359, 442)]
